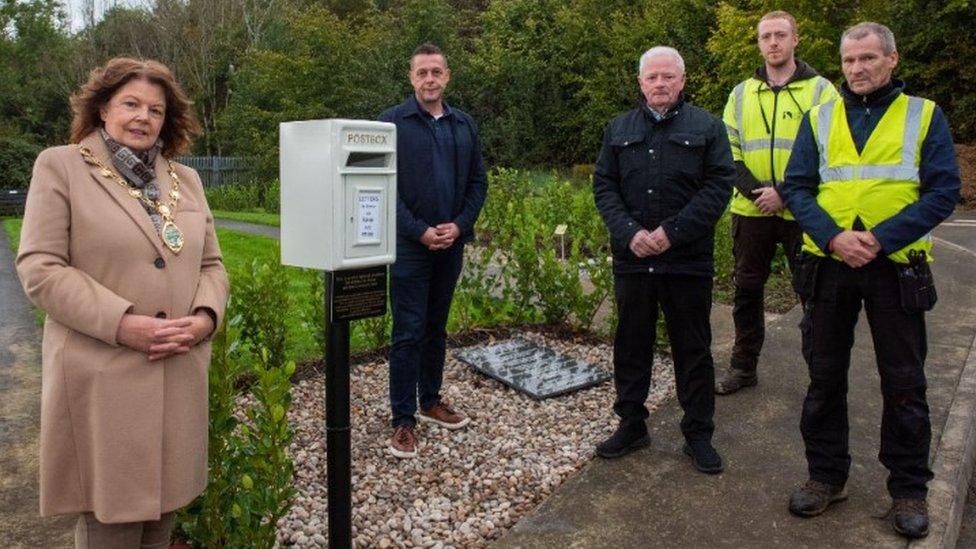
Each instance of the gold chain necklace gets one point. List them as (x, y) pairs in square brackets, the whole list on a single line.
[(171, 235)]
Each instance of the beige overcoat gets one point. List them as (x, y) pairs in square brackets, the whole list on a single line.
[(121, 436)]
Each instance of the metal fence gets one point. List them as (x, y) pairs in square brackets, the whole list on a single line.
[(219, 170)]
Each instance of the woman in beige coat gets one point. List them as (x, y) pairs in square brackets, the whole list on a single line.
[(118, 248)]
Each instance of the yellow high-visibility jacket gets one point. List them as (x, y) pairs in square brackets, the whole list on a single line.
[(763, 123)]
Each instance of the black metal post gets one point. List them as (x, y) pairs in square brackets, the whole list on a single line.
[(337, 427)]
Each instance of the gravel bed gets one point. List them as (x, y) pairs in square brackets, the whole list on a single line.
[(465, 488)]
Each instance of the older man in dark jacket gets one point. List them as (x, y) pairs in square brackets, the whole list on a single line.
[(662, 181)]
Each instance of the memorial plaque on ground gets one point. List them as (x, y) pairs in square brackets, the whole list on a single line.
[(536, 370), (359, 293)]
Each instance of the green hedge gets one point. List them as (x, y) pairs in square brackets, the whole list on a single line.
[(17, 156)]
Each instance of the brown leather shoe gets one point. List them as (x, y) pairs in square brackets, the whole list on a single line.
[(444, 415), (403, 444)]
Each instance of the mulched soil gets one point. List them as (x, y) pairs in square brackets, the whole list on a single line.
[(966, 155)]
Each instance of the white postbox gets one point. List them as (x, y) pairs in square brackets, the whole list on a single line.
[(338, 194)]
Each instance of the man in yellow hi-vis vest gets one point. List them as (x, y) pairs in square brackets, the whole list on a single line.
[(870, 176), (762, 116)]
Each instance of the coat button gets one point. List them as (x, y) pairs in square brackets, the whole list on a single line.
[(650, 191), (161, 314), (650, 269), (159, 263)]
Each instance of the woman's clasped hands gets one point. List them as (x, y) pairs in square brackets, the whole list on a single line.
[(161, 338)]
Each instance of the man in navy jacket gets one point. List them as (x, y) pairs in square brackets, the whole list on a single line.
[(440, 190)]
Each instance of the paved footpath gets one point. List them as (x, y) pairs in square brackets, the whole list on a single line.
[(653, 497), (20, 387)]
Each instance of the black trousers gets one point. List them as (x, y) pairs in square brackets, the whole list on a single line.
[(900, 345), (754, 241), (686, 302)]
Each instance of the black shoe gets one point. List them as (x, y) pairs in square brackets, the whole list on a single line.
[(910, 517), (704, 456), (734, 379), (626, 439), (814, 497)]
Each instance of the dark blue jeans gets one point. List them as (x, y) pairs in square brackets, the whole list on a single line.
[(421, 290)]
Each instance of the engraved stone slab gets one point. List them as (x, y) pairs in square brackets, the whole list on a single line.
[(537, 371)]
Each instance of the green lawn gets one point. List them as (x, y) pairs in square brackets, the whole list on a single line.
[(261, 218), (12, 227)]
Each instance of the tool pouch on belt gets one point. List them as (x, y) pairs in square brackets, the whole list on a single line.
[(916, 284), (804, 278)]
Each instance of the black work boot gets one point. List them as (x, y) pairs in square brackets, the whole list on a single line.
[(628, 437), (814, 497), (910, 517), (704, 456), (733, 379)]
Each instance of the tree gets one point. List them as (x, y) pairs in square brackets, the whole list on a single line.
[(936, 57)]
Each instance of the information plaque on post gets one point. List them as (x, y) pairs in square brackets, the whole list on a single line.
[(338, 215)]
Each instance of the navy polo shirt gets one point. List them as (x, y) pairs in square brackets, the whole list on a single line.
[(445, 172)]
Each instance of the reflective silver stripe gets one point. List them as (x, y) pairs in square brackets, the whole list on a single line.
[(738, 92), (913, 127), (825, 114), (763, 144), (868, 171), (887, 171), (733, 135), (822, 84)]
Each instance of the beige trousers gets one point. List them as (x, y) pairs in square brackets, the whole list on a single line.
[(152, 534)]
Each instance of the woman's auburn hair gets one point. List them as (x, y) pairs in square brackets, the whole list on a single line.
[(179, 124)]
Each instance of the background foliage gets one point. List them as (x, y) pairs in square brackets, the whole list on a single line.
[(541, 77)]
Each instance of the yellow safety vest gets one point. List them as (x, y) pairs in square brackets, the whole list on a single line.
[(762, 126), (883, 179)]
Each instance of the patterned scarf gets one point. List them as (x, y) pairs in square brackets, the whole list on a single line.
[(137, 169)]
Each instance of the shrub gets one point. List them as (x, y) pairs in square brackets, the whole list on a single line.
[(17, 155), (261, 299), (249, 487), (247, 197)]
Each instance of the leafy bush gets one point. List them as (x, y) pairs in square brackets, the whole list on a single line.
[(262, 301), (17, 156), (238, 198), (249, 482), (263, 197)]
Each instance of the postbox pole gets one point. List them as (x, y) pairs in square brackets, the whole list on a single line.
[(337, 425)]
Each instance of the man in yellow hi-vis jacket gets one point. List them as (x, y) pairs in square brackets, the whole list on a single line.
[(871, 175), (762, 116)]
